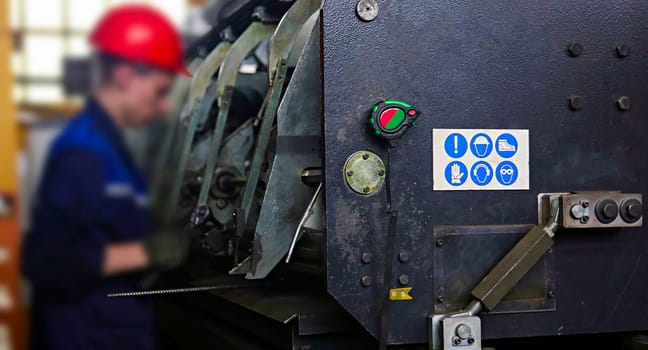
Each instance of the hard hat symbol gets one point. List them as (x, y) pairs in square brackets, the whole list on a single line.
[(481, 145)]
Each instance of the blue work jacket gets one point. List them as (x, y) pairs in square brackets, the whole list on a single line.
[(90, 195)]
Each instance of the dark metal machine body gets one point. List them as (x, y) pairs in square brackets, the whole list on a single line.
[(488, 65), (331, 230)]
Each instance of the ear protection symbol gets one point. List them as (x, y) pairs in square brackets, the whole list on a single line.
[(483, 177)]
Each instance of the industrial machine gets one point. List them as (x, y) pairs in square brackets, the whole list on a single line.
[(415, 174)]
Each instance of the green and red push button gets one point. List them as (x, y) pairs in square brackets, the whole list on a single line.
[(391, 118)]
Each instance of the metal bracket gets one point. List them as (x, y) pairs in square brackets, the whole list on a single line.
[(284, 37), (263, 138)]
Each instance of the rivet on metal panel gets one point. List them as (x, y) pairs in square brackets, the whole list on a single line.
[(576, 102), (623, 50), (366, 281), (575, 49), (440, 298), (367, 10), (366, 258), (551, 294), (403, 256), (623, 103), (439, 242)]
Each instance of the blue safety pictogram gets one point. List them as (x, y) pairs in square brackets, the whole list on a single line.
[(481, 145), (481, 173), (456, 145), (506, 145), (456, 173), (506, 173)]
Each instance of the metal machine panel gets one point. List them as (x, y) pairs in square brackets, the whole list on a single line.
[(557, 68)]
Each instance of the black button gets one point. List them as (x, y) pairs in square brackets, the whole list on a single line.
[(607, 211), (631, 210)]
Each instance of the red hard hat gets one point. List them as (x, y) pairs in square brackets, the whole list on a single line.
[(140, 33)]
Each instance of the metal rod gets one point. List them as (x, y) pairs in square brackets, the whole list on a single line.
[(175, 291)]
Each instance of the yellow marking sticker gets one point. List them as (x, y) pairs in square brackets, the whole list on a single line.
[(400, 294)]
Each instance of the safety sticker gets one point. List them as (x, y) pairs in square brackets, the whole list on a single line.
[(480, 159), (400, 294)]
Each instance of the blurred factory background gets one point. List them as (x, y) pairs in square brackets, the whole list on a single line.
[(38, 40)]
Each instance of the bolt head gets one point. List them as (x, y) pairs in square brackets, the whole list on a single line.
[(366, 281), (381, 173), (349, 173), (576, 102), (403, 256), (366, 190), (634, 210), (551, 294), (403, 280), (440, 298), (575, 49), (623, 50), (365, 156), (623, 103), (366, 258), (456, 341), (439, 242), (367, 10)]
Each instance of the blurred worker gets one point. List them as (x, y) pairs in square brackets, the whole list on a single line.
[(92, 230)]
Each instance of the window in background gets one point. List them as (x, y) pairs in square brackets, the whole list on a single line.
[(46, 31)]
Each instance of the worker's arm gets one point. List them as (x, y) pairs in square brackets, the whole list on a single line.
[(68, 249), (120, 258)]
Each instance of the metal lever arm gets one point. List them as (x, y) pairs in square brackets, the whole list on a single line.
[(508, 272)]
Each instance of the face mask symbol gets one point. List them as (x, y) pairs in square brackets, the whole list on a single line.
[(481, 173), (506, 173), (481, 145)]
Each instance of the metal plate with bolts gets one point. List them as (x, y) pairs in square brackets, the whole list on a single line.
[(602, 210), (364, 172), (461, 333), (463, 255)]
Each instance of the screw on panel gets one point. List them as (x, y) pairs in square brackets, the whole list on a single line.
[(623, 50), (366, 258), (365, 156), (366, 190), (551, 294), (575, 49), (403, 279), (623, 103), (366, 281), (576, 102), (221, 203), (367, 10), (440, 298), (350, 173), (381, 172), (439, 242), (403, 256), (456, 340)]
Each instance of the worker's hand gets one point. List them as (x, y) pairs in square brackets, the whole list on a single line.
[(167, 250)]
